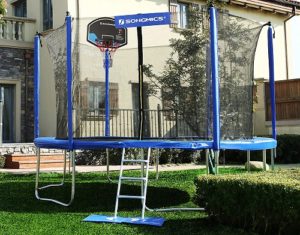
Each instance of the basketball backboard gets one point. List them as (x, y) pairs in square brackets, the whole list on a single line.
[(103, 31)]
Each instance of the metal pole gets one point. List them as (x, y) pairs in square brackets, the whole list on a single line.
[(248, 160), (141, 82), (273, 151), (107, 104), (36, 85), (69, 80), (207, 161), (265, 159)]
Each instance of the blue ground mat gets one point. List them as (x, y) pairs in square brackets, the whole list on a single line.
[(152, 221)]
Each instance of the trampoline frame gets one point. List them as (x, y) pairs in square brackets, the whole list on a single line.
[(214, 145)]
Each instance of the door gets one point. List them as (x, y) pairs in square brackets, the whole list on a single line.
[(8, 114)]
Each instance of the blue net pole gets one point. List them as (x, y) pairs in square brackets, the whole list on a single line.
[(272, 79), (69, 80), (36, 85), (107, 104), (215, 78)]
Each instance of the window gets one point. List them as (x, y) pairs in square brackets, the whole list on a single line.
[(47, 15), (93, 97), (179, 14), (20, 8)]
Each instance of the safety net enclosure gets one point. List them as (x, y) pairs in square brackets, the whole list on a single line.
[(174, 101), (164, 88)]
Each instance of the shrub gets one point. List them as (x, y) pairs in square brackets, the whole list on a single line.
[(166, 156), (267, 202), (2, 161), (288, 149), (98, 157)]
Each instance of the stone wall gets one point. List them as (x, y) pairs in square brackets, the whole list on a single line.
[(17, 65), (23, 148)]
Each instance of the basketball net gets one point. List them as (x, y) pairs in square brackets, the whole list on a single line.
[(111, 47)]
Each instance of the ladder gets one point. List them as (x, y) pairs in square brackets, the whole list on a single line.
[(143, 179)]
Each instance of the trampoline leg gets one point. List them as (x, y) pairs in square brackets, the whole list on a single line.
[(217, 154), (119, 184), (107, 166), (273, 156), (157, 164), (265, 160), (207, 160), (248, 160), (37, 188), (211, 162)]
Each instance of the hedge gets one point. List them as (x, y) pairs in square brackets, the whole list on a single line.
[(266, 202), (166, 156)]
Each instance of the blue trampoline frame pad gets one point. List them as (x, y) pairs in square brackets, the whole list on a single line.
[(151, 221), (257, 143)]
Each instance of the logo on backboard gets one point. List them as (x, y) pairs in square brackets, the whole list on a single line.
[(121, 22), (141, 20)]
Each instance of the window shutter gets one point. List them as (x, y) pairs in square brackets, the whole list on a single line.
[(114, 98), (173, 11)]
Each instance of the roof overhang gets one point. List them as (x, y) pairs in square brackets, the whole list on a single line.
[(285, 8)]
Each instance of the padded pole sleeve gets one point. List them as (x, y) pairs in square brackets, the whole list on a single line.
[(36, 86), (69, 80), (215, 78), (272, 80)]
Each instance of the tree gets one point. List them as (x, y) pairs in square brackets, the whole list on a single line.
[(3, 7), (185, 82)]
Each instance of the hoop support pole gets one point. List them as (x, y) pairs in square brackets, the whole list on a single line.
[(107, 93)]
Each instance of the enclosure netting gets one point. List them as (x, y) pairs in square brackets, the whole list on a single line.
[(177, 93)]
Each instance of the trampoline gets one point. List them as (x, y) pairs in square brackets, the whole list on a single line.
[(202, 101)]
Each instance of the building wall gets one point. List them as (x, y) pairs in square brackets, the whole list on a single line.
[(16, 68)]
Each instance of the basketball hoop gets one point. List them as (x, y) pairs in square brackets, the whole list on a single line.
[(103, 34), (109, 46)]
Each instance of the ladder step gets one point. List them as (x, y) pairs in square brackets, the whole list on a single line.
[(131, 197), (133, 178), (137, 161)]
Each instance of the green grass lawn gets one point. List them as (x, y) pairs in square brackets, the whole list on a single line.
[(21, 213)]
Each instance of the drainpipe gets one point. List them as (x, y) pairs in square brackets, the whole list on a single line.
[(285, 42)]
